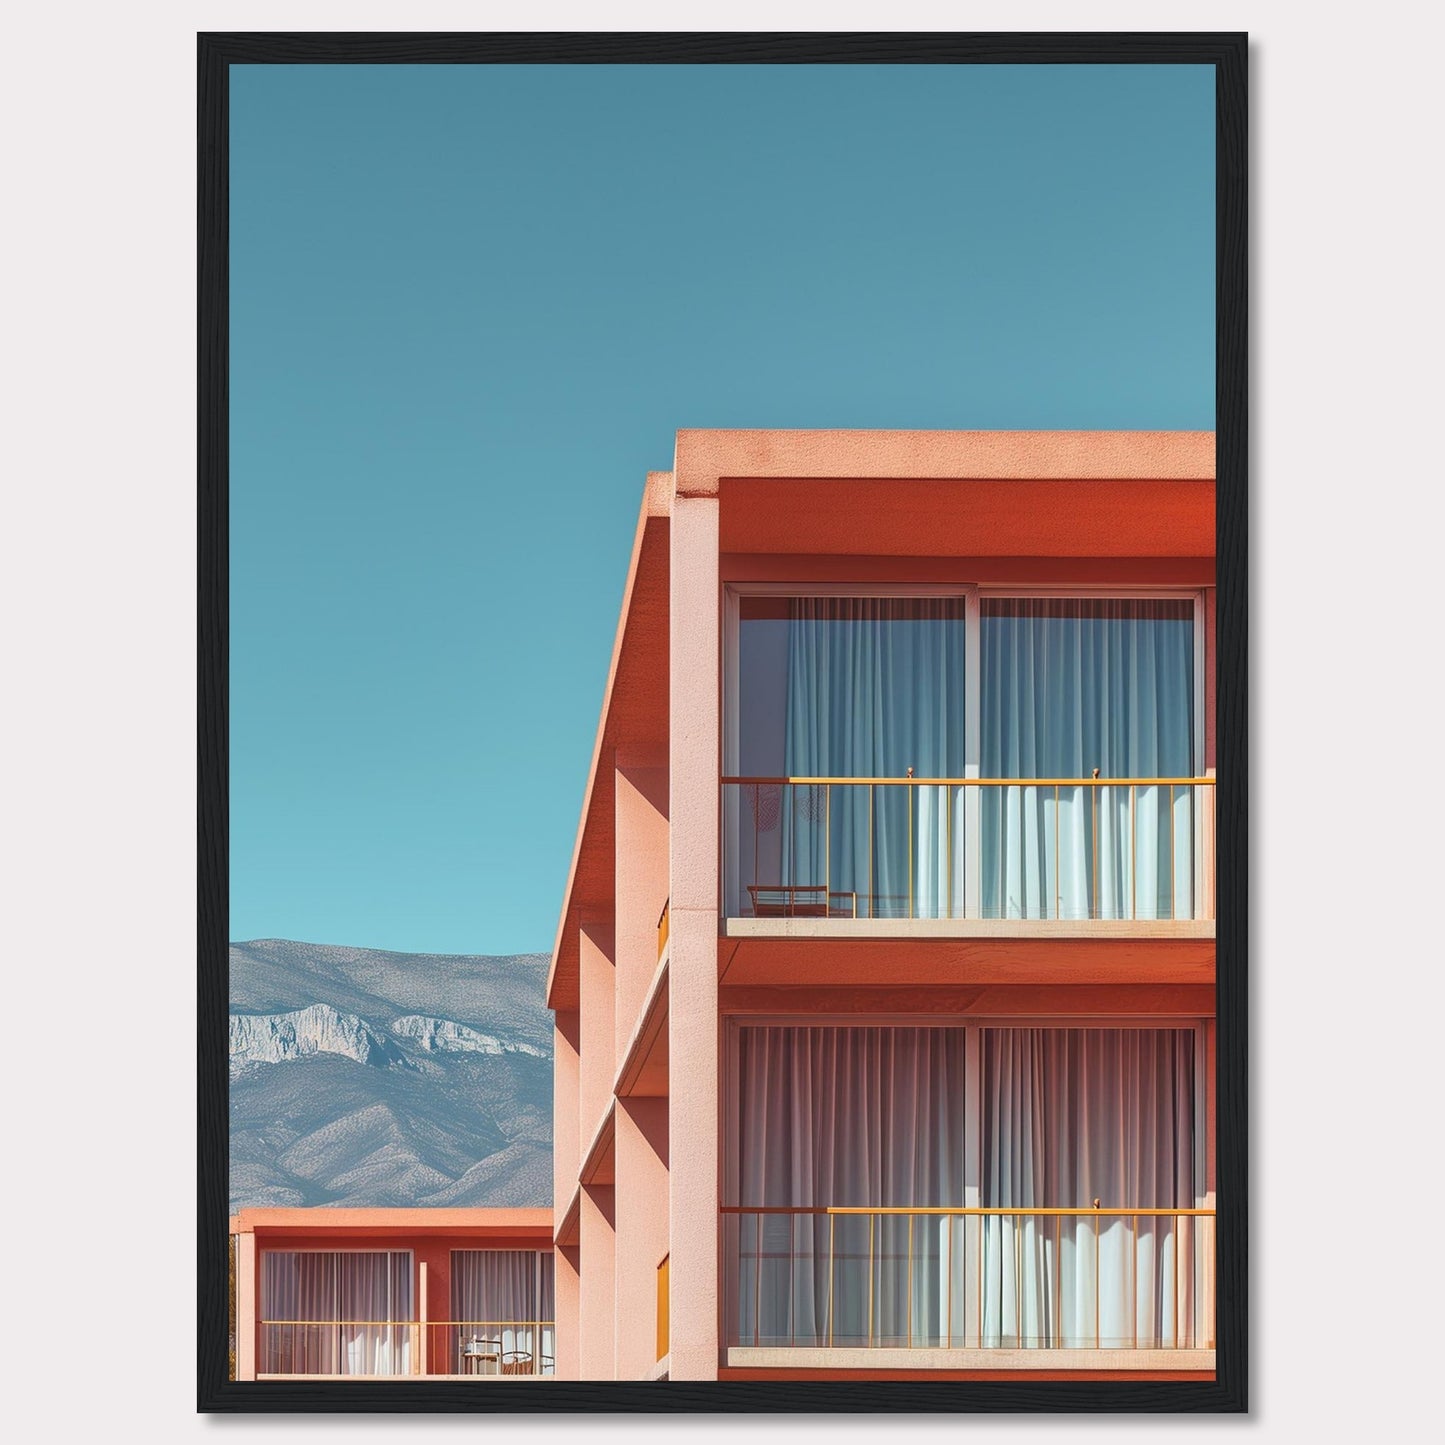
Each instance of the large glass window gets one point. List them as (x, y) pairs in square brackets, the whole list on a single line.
[(1080, 689), (1071, 1116), (336, 1312), (888, 1192), (867, 688), (886, 770), (503, 1311), (844, 1117)]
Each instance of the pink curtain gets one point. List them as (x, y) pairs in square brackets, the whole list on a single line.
[(1070, 1116), (853, 1117), (505, 1296), (336, 1312)]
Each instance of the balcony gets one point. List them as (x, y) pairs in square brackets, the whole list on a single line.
[(868, 855), (386, 1349), (1027, 1288)]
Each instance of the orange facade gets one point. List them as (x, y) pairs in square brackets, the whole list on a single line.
[(748, 948), (382, 1293)]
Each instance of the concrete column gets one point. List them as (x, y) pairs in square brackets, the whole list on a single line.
[(597, 1296), (642, 1241), (694, 758), (567, 1306), (642, 864), (566, 1125), (421, 1349), (248, 1284), (598, 989)]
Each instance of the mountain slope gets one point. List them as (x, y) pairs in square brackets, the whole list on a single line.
[(361, 1077)]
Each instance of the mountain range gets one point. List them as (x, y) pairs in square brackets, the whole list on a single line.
[(362, 1077)]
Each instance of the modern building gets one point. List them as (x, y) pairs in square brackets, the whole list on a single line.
[(884, 980), (377, 1293)]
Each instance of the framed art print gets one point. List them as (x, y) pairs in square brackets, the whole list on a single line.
[(722, 747)]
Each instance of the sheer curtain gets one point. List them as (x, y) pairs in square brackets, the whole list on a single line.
[(337, 1312), (852, 1117), (875, 686), (1070, 1116), (1069, 685), (505, 1295)]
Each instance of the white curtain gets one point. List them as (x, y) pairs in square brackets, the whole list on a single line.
[(851, 1117), (505, 1296), (336, 1312), (1070, 1116), (1068, 686), (875, 687)]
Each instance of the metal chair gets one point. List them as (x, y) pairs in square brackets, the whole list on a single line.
[(517, 1362)]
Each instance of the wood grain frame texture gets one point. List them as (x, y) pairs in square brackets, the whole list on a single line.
[(1228, 54)]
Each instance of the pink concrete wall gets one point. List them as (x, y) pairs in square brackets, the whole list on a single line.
[(693, 943), (569, 1322), (566, 1123), (642, 863), (596, 1323), (248, 1288), (597, 991), (642, 1230)]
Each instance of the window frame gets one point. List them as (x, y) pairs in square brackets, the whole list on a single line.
[(973, 1026), (972, 595), (413, 1285)]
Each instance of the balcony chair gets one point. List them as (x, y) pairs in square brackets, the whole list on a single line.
[(517, 1362)]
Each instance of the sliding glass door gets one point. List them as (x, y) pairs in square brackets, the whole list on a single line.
[(964, 756), (843, 1118), (860, 689), (1077, 689), (965, 1185), (336, 1312), (1070, 1117), (503, 1310)]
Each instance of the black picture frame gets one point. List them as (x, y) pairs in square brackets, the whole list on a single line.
[(1228, 53)]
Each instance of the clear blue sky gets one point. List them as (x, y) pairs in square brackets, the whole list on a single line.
[(471, 305)]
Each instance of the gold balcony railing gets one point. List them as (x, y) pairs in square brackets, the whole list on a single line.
[(662, 928), (980, 848), (493, 1347), (663, 1307), (969, 1278), (339, 1347), (394, 1347)]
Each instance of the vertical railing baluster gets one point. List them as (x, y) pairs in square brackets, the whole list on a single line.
[(909, 1305), (757, 809), (948, 1285), (799, 818), (1018, 1281), (758, 1280), (982, 1239), (870, 850), (1002, 856), (831, 1219), (1173, 905), (1098, 1280), (1094, 807), (1058, 1279), (1135, 1272), (909, 790), (1176, 1282), (792, 1280), (871, 1219), (948, 824), (1058, 858), (1133, 852), (827, 849)]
